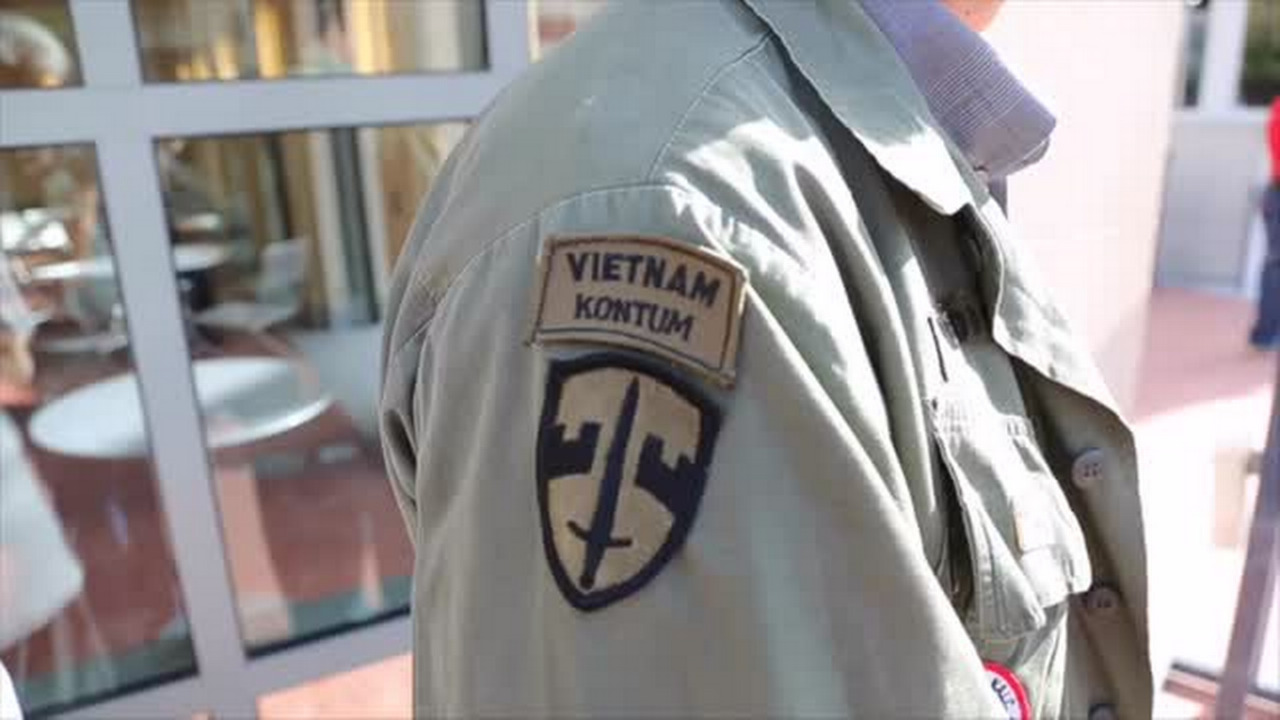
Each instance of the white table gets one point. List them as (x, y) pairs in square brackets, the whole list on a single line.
[(187, 258), (242, 399)]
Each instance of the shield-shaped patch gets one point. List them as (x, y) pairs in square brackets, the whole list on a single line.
[(624, 450)]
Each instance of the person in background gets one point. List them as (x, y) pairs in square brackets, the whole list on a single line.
[(17, 324), (40, 572), (1266, 330)]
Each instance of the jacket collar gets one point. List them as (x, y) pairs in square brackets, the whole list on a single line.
[(859, 75), (984, 109), (1026, 322)]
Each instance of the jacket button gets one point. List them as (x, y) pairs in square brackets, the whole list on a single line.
[(1101, 598), (1087, 468), (1103, 711)]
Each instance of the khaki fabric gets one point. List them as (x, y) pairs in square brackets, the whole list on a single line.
[(917, 470), (665, 297)]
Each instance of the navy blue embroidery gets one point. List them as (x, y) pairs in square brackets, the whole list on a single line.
[(679, 489)]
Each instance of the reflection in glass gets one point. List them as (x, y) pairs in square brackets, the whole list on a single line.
[(1260, 79), (186, 40), (1193, 51), (37, 45), (558, 19), (282, 244), (89, 604)]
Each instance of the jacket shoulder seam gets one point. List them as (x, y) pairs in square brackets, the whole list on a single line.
[(444, 293), (706, 90)]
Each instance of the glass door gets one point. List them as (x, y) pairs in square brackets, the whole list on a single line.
[(200, 203), (90, 604)]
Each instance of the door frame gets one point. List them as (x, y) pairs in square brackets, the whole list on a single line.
[(122, 116)]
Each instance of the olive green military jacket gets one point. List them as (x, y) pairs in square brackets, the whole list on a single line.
[(716, 384)]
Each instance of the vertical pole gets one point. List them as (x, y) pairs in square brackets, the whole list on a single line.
[(132, 196), (1223, 55), (1257, 580)]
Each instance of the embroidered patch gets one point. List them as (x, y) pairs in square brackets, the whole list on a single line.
[(680, 302), (1009, 691), (623, 455)]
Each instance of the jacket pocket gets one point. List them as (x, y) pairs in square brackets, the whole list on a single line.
[(1026, 549)]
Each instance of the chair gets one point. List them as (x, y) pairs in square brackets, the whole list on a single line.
[(277, 294)]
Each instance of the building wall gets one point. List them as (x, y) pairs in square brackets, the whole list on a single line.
[(1090, 210)]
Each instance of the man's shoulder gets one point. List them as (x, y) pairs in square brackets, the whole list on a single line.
[(598, 111), (596, 114)]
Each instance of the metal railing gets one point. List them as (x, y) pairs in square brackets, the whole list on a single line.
[(1257, 580)]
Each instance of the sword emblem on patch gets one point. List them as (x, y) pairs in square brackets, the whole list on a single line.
[(623, 456)]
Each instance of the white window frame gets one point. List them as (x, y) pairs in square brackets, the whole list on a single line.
[(122, 116), (1220, 68)]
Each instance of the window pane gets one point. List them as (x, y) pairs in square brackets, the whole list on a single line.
[(184, 40), (37, 45), (558, 19), (1260, 81), (281, 243), (1193, 52), (89, 600), (406, 160)]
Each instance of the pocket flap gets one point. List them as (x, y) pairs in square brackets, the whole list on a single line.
[(1026, 547)]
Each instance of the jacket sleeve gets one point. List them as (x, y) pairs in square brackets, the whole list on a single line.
[(396, 428), (803, 586)]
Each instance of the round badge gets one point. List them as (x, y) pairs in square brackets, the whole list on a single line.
[(1009, 691)]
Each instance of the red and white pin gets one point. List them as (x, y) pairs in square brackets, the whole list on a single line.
[(1009, 691)]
